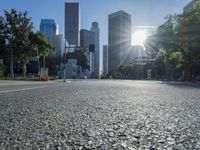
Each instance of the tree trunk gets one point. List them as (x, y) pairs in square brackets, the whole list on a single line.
[(43, 61), (187, 73), (38, 60), (11, 65), (24, 71), (38, 65)]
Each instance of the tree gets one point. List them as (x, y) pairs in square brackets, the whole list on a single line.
[(179, 39), (189, 38), (14, 37), (130, 71), (53, 63), (23, 52), (39, 45), (19, 42), (81, 58), (9, 32), (2, 38), (164, 44)]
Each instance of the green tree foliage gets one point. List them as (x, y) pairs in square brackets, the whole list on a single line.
[(53, 63), (17, 41), (81, 58), (162, 45), (14, 34), (22, 51), (164, 39), (189, 38), (2, 38), (176, 44), (9, 31), (131, 71), (39, 45)]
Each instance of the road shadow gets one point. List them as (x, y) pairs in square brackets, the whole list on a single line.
[(183, 85)]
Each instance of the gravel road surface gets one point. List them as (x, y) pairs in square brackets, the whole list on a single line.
[(100, 114)]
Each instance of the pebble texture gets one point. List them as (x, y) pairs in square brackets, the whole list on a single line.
[(104, 114)]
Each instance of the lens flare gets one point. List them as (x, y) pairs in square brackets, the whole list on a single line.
[(139, 38)]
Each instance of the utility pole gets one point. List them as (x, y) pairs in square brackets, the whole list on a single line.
[(65, 63), (38, 60), (166, 71), (44, 61)]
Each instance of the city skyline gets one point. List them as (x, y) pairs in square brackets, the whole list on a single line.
[(119, 75), (141, 11)]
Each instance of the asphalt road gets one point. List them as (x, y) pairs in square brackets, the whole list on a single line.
[(99, 114)]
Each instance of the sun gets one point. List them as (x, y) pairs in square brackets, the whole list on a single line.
[(139, 37)]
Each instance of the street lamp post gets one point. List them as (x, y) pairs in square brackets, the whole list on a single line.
[(65, 63), (38, 60), (166, 70)]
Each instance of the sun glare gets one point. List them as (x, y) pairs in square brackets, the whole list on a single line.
[(139, 37)]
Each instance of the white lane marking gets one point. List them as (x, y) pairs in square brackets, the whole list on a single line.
[(25, 89), (68, 81)]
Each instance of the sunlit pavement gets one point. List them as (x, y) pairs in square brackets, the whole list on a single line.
[(100, 114)]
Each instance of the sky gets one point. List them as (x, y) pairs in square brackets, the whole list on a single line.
[(143, 12)]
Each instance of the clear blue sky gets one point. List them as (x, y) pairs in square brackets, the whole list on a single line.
[(144, 12)]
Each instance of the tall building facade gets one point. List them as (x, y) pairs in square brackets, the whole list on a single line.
[(49, 27), (58, 42), (1, 57), (72, 23), (119, 39), (105, 59), (95, 29), (86, 38)]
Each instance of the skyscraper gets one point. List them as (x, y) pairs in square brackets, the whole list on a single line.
[(58, 42), (119, 39), (95, 29), (1, 57), (87, 38), (72, 23), (105, 59), (49, 27)]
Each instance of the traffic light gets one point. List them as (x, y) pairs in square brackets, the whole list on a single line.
[(92, 48)]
